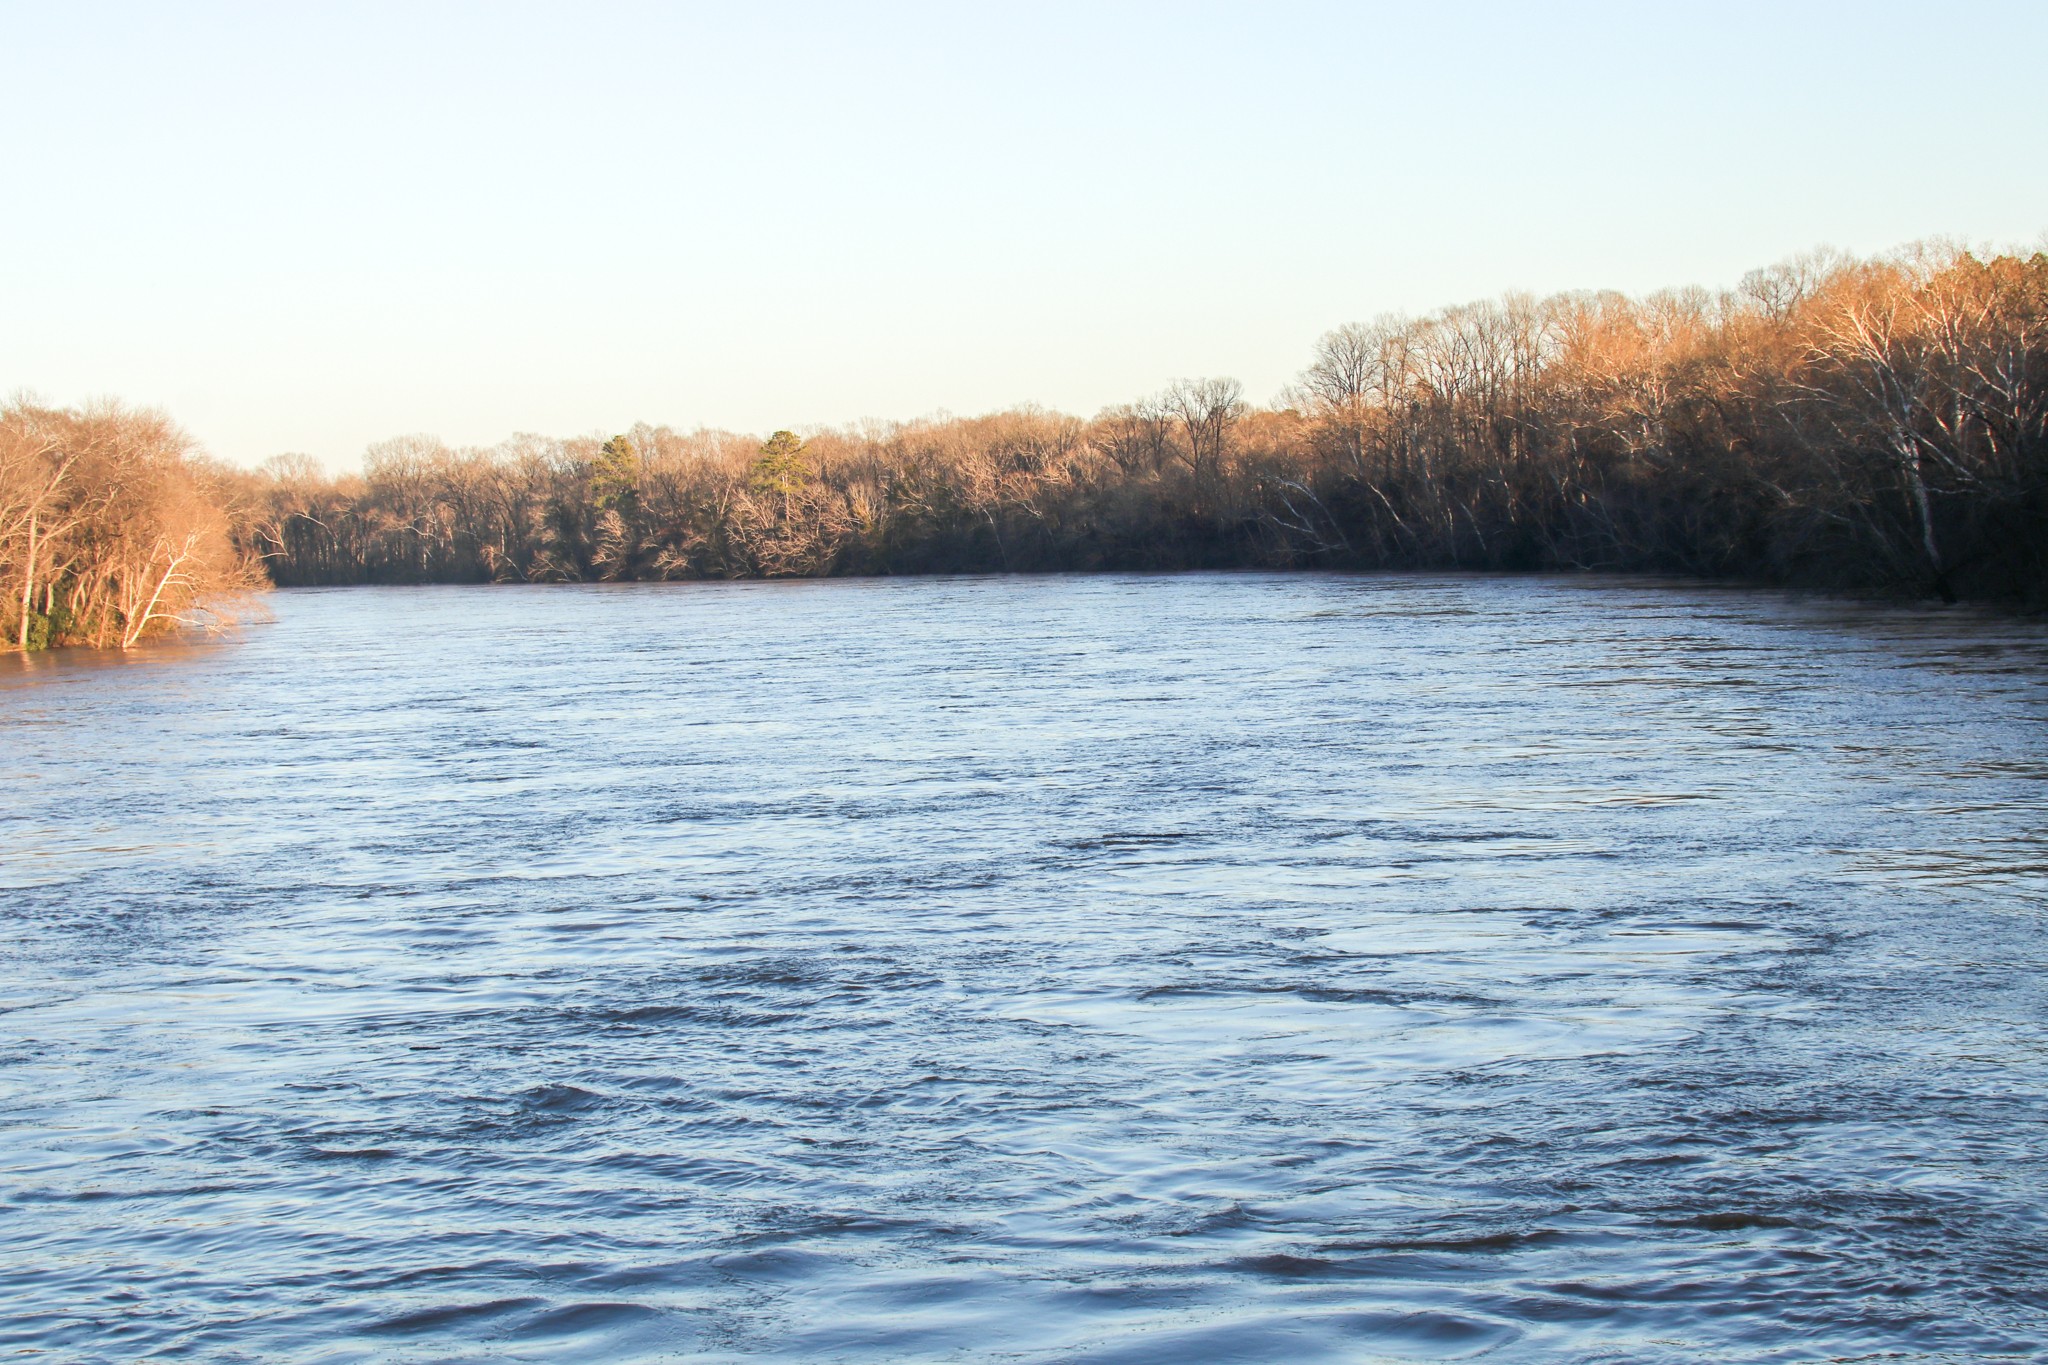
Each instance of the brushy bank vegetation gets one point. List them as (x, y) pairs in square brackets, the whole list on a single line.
[(111, 529), (1876, 425)]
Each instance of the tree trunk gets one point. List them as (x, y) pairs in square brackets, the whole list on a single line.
[(28, 582)]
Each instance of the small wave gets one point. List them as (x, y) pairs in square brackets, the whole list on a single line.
[(560, 1098), (442, 1318)]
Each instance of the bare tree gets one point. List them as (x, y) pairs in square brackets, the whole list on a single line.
[(1207, 410)]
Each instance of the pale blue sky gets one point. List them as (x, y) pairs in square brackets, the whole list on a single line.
[(306, 228)]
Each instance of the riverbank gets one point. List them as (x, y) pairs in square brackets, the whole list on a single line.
[(1874, 426)]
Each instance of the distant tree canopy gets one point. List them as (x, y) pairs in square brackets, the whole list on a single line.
[(780, 469), (1871, 425), (615, 473)]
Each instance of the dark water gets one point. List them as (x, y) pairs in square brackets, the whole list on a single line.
[(1125, 969)]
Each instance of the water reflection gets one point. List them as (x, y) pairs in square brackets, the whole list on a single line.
[(1081, 969)]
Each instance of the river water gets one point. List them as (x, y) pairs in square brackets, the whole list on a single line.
[(1127, 969)]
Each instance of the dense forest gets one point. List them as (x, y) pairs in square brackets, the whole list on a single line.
[(1876, 425)]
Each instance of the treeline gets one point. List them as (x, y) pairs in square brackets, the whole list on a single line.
[(1869, 425), (1859, 424), (112, 529)]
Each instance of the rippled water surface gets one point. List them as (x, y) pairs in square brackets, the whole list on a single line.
[(1117, 969)]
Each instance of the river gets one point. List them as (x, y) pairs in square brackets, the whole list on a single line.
[(1129, 968)]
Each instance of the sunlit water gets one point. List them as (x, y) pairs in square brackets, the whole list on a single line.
[(1118, 969)]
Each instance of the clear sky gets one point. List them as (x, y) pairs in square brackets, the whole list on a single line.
[(304, 228)]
